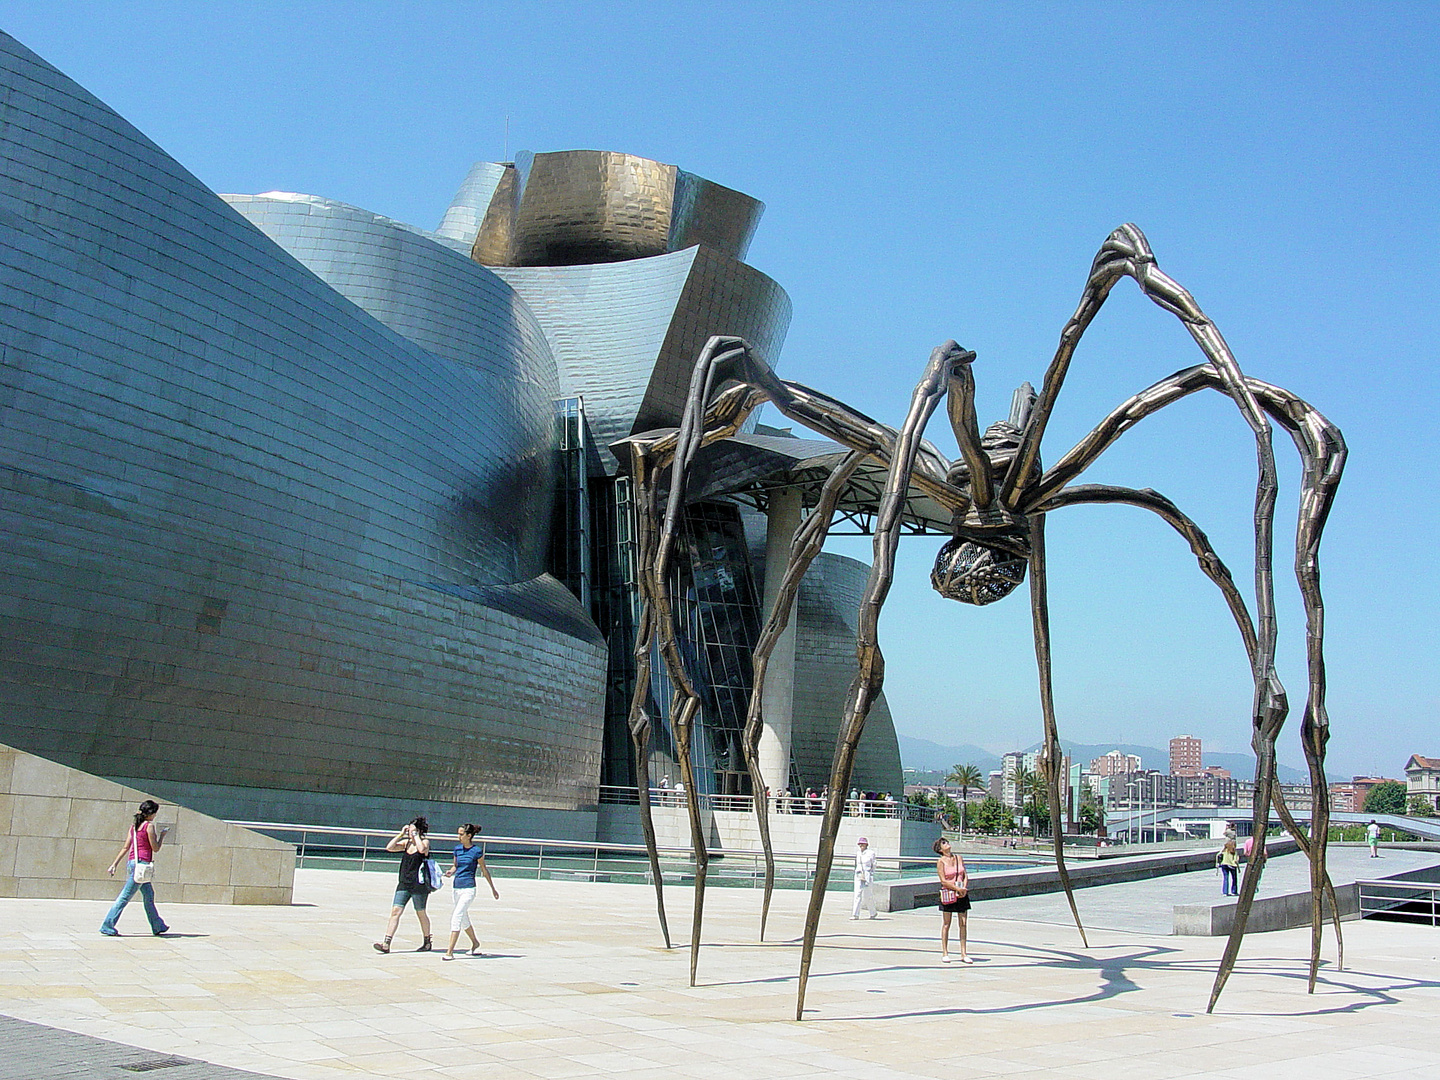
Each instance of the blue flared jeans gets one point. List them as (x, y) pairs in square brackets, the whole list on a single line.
[(147, 894)]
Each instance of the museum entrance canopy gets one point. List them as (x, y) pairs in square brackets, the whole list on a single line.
[(748, 467)]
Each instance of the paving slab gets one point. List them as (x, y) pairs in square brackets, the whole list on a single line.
[(575, 982)]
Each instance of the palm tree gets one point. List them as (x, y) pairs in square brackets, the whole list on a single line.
[(964, 777), (1032, 787)]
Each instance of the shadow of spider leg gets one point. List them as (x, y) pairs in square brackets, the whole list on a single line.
[(807, 543)]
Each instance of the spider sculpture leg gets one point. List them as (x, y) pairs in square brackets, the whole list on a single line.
[(1322, 451), (1293, 828), (808, 541), (871, 673), (710, 415), (1040, 615), (640, 722), (684, 703), (1126, 253)]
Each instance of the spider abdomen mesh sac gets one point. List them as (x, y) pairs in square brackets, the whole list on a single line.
[(975, 573)]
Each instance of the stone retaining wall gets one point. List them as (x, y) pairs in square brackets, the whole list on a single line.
[(65, 826)]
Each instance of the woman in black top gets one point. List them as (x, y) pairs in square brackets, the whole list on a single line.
[(413, 844)]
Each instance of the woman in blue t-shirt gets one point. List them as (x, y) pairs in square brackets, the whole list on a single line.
[(468, 859)]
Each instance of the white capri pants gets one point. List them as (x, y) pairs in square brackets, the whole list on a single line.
[(460, 917)]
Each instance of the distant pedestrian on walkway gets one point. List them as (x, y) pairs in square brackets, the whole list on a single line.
[(413, 844), (1229, 862), (954, 898), (144, 839), (1372, 837), (864, 878), (468, 859)]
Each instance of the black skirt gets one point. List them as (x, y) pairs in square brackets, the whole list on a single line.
[(962, 904)]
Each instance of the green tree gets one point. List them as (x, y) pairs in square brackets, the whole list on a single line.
[(964, 777), (1420, 806), (993, 816), (1092, 812), (1386, 797)]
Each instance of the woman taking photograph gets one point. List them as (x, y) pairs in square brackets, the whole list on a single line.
[(954, 898), (468, 859), (141, 844), (413, 844)]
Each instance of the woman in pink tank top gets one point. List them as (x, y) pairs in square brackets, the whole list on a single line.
[(954, 898), (141, 843)]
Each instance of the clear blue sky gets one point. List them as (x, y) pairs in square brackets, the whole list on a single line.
[(937, 171)]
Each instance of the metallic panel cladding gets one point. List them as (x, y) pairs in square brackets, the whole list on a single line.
[(467, 210), (625, 335), (576, 207), (826, 612), (447, 304), (248, 538)]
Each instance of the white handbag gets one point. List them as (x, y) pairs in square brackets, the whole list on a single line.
[(144, 871)]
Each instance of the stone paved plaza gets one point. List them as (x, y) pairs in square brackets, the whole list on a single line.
[(574, 983)]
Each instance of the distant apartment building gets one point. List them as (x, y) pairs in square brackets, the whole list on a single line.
[(1156, 788), (1296, 796), (1361, 786), (1012, 766), (1185, 756), (1115, 764), (1342, 799), (1422, 777), (995, 785)]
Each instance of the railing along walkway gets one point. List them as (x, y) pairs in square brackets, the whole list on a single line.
[(1402, 901), (779, 804), (339, 847)]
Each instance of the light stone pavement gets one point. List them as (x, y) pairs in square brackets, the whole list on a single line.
[(576, 984)]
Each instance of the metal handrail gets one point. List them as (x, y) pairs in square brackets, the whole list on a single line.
[(1389, 896), (748, 862), (614, 795)]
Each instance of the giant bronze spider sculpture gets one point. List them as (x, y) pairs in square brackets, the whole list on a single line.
[(999, 496)]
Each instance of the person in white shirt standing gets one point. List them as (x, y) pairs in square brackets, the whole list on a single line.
[(1372, 837), (864, 878)]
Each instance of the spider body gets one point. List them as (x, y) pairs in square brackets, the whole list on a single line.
[(999, 496), (982, 564)]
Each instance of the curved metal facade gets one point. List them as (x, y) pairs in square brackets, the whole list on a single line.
[(255, 550), (826, 612), (625, 335), (457, 310), (575, 207)]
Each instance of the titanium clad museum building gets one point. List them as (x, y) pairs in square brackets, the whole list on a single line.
[(309, 515)]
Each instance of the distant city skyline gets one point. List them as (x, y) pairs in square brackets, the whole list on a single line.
[(949, 171)]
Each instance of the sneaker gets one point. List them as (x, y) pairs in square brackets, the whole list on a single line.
[(944, 958), (966, 960), (110, 933), (381, 947), (425, 946), (162, 930)]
